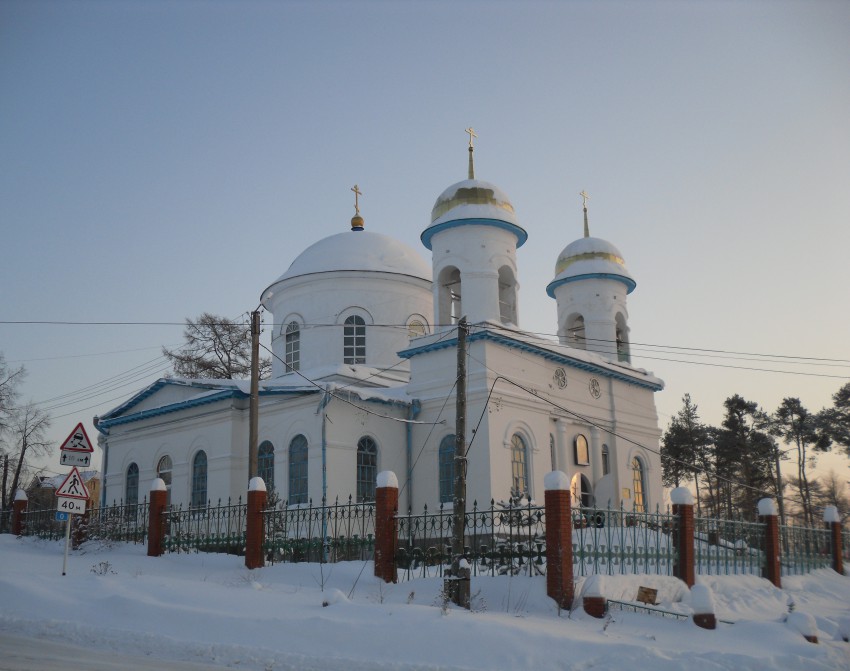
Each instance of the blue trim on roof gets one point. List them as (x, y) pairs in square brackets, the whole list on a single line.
[(561, 359), (104, 424), (554, 284), (431, 231)]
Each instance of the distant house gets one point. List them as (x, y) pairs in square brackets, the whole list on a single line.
[(364, 335), (41, 492)]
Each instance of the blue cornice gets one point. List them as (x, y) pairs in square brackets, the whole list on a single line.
[(548, 354), (554, 284), (431, 231)]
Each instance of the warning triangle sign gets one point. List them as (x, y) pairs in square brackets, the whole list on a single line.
[(78, 441), (73, 487)]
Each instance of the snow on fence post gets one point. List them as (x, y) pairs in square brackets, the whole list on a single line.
[(833, 523), (767, 516), (386, 526), (683, 535), (254, 528), (559, 539), (156, 524), (19, 507), (703, 605)]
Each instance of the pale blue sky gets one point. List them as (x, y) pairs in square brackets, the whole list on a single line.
[(160, 159)]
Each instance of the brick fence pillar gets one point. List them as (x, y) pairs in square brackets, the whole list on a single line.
[(833, 523), (156, 525), (683, 535), (19, 507), (254, 527), (767, 516), (386, 526), (559, 539)]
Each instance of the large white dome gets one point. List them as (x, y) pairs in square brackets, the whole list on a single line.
[(587, 258), (358, 250)]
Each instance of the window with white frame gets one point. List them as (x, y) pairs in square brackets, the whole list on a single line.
[(519, 466), (354, 340), (367, 469), (292, 351)]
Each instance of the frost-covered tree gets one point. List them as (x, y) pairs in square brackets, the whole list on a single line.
[(215, 347)]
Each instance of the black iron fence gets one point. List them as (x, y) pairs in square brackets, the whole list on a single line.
[(216, 527)]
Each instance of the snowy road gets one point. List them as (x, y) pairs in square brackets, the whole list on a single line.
[(28, 654)]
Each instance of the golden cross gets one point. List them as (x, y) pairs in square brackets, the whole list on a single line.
[(471, 135), (357, 194), (584, 198)]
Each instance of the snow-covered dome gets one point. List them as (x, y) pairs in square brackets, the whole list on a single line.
[(358, 251), (588, 258), (473, 202)]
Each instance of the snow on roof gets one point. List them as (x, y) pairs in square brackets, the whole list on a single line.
[(358, 251), (590, 257), (55, 481)]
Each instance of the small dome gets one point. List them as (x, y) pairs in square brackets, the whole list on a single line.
[(588, 258), (358, 251), (475, 202)]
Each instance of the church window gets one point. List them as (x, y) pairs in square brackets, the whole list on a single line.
[(298, 470), (265, 464), (519, 466), (507, 296), (354, 340), (576, 332), (199, 480), (581, 452), (447, 468), (131, 491), (416, 328), (163, 472), (638, 482), (606, 460), (367, 469), (623, 352), (582, 495), (292, 353)]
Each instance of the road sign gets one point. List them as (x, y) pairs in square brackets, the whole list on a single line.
[(73, 487), (78, 441), (75, 506), (62, 517), (75, 458)]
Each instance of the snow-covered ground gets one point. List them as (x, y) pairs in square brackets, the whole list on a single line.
[(192, 611)]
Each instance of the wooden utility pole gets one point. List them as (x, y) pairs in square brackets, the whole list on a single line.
[(253, 412), (457, 584)]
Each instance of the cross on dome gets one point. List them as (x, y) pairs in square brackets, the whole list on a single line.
[(357, 194), (472, 135)]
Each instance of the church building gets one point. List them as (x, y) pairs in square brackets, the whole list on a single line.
[(364, 377)]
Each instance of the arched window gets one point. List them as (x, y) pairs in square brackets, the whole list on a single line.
[(292, 353), (447, 468), (575, 332), (298, 470), (582, 493), (163, 472), (131, 490), (623, 353), (416, 328), (450, 307), (199, 480), (265, 464), (638, 482), (354, 340), (507, 296), (367, 469), (519, 466), (606, 460), (582, 454)]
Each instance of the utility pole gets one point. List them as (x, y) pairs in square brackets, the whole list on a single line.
[(253, 411), (457, 584)]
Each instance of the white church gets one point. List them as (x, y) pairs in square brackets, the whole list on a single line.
[(364, 370)]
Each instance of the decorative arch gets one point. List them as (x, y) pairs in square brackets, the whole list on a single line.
[(574, 331), (507, 295), (449, 296), (417, 326)]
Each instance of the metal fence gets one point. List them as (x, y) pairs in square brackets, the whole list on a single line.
[(615, 542), (116, 523), (506, 538), (325, 533), (210, 528), (803, 550), (728, 547)]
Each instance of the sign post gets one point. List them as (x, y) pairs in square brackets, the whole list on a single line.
[(72, 496)]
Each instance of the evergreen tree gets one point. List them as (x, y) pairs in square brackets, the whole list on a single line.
[(683, 448)]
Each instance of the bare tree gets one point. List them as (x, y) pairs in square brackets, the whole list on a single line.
[(10, 379), (27, 439), (215, 347)]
